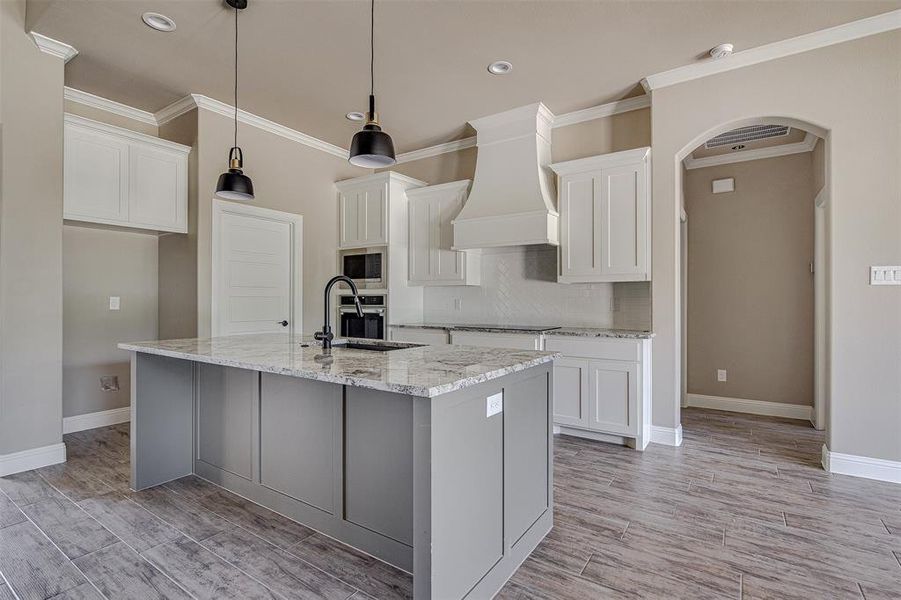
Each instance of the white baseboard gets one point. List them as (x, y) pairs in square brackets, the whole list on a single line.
[(668, 436), (754, 407), (861, 466), (35, 458), (93, 420)]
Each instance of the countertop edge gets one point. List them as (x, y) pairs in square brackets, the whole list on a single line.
[(408, 390)]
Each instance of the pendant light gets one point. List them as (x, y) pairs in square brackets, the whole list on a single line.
[(234, 184), (372, 148)]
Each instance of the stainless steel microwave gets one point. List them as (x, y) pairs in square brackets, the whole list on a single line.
[(365, 266)]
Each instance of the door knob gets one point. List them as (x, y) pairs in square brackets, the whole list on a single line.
[(283, 323)]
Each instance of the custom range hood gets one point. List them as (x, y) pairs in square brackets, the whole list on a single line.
[(512, 201)]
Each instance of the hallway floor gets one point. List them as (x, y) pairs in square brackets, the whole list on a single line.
[(741, 510)]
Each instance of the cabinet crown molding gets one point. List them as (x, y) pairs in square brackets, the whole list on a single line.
[(453, 186), (71, 119), (592, 163), (365, 180), (53, 47)]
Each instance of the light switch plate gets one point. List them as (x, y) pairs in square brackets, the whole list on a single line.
[(884, 275), (495, 404), (114, 302), (721, 375), (723, 185)]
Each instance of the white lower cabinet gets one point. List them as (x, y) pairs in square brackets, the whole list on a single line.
[(431, 337), (602, 388)]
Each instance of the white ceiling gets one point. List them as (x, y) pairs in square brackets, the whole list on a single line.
[(304, 64)]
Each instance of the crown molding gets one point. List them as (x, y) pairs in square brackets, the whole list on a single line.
[(430, 151), (602, 111), (110, 106), (805, 145), (259, 122), (803, 43), (53, 47), (175, 110)]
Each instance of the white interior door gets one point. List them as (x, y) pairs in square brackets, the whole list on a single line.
[(256, 270)]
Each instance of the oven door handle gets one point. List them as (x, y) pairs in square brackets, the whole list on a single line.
[(369, 311)]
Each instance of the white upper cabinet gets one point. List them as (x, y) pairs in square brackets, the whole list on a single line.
[(431, 259), (366, 206), (605, 219), (116, 176)]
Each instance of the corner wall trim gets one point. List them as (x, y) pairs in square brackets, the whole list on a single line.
[(110, 106), (35, 458), (668, 436), (53, 47), (861, 466), (802, 43), (805, 145), (753, 407), (100, 418)]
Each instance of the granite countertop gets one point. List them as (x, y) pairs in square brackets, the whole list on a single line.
[(547, 330), (424, 371)]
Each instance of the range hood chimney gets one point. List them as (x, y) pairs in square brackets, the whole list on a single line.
[(512, 202)]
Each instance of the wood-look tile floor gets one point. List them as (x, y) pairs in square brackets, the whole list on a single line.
[(741, 510)]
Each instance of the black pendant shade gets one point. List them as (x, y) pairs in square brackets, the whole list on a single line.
[(372, 148), (234, 184)]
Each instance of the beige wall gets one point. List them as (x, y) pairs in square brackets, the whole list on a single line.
[(286, 176), (31, 200), (97, 264), (853, 91), (96, 114), (750, 289)]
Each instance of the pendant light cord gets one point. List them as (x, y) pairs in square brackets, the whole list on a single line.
[(372, 48), (236, 76)]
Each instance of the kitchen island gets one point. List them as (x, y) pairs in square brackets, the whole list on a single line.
[(437, 460)]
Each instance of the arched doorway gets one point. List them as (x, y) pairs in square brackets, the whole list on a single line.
[(819, 414)]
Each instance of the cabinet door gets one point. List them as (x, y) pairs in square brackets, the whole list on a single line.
[(225, 398), (624, 222), (420, 254), (580, 225), (613, 396), (95, 176), (447, 264), (351, 208), (517, 341), (375, 220), (363, 216), (157, 183), (571, 395)]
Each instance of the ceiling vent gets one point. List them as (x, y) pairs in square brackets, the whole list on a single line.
[(747, 134)]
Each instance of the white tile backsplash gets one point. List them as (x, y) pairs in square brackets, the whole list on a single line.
[(519, 286)]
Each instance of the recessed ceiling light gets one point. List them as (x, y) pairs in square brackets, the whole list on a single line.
[(500, 67), (355, 116), (158, 21), (721, 51)]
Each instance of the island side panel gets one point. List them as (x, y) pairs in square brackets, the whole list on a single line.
[(162, 404), (481, 465)]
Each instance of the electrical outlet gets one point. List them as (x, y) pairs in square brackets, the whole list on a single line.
[(495, 404), (114, 302), (458, 303), (721, 374), (109, 383)]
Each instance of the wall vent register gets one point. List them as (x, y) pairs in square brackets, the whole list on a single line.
[(747, 134)]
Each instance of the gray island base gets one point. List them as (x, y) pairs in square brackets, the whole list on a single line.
[(437, 460)]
